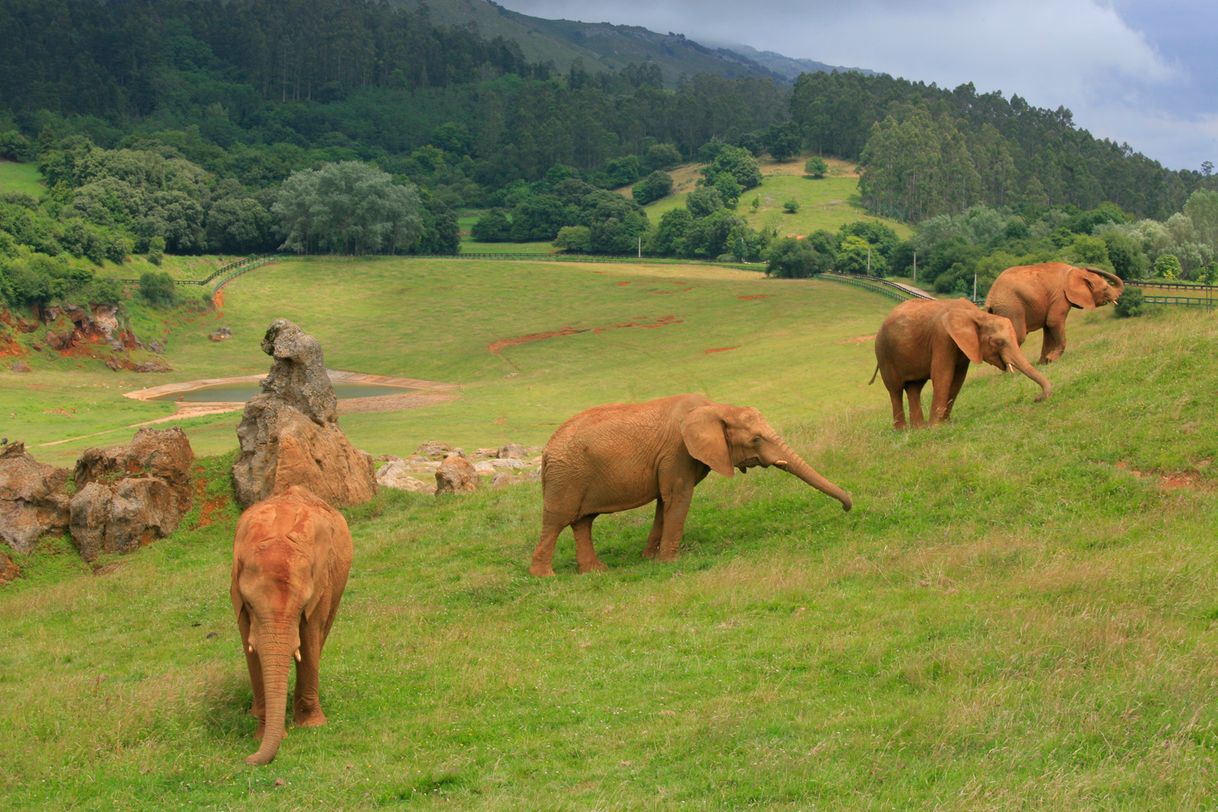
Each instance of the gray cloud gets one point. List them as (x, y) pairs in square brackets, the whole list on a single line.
[(1105, 61)]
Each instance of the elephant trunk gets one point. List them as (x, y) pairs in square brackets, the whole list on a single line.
[(794, 464), (1017, 360), (275, 665)]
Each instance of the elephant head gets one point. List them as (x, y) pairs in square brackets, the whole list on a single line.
[(733, 437), (1090, 288), (986, 337)]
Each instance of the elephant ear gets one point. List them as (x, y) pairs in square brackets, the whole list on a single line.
[(703, 433), (962, 327), (1078, 289)]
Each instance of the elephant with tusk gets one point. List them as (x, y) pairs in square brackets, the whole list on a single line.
[(934, 341), (1041, 296), (624, 455), (291, 557)]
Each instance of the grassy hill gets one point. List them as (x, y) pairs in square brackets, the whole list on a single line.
[(829, 202), (18, 178), (1019, 611)]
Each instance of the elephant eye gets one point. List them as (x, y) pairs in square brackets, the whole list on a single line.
[(757, 440)]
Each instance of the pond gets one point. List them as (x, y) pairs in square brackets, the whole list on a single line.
[(241, 392)]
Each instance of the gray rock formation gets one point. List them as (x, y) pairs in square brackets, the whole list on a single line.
[(33, 499), (289, 433)]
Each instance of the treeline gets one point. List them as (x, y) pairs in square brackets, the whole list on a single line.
[(926, 151)]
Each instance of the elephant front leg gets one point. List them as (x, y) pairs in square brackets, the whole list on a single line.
[(657, 531), (913, 390), (954, 392), (1054, 344), (585, 554), (943, 380), (306, 706), (676, 508)]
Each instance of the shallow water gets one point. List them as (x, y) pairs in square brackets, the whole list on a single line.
[(241, 392)]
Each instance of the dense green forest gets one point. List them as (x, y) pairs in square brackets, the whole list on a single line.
[(196, 126)]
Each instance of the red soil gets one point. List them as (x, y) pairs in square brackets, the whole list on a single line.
[(753, 297), (497, 346), (720, 349)]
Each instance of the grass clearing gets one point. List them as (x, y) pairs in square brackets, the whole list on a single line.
[(1019, 611), (21, 179)]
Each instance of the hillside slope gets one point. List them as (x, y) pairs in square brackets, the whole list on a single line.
[(1020, 611)]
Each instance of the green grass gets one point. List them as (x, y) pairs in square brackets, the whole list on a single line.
[(825, 203), (18, 178), (1019, 612)]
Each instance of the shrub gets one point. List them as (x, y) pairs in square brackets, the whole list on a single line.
[(1132, 303), (816, 167), (791, 206), (653, 187), (157, 288), (574, 239)]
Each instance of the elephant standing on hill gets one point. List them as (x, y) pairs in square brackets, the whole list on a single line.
[(291, 558), (624, 455), (1036, 296), (935, 340)]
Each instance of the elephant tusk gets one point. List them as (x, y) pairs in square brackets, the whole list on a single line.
[(1010, 367), (297, 655), (250, 648), (781, 463)]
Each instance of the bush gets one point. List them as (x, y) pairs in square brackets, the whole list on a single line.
[(158, 289), (574, 239), (653, 187), (816, 167), (1132, 303), (791, 206)]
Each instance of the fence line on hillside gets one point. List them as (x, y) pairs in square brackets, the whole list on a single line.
[(884, 287), (1208, 301)]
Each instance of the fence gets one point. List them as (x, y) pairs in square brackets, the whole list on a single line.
[(1178, 293), (884, 287)]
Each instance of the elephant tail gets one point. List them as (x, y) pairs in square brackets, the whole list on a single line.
[(877, 372)]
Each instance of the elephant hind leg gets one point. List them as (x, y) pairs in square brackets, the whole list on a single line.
[(1054, 343), (543, 555), (585, 554), (898, 407)]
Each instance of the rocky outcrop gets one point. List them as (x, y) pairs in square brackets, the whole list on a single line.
[(396, 473), (456, 475), (33, 499), (130, 495), (289, 434), (220, 334), (8, 570)]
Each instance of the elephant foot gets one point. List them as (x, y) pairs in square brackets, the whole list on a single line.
[(651, 552), (309, 719), (595, 565), (541, 570)]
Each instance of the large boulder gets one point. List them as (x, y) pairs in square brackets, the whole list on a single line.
[(289, 434), (397, 474), (33, 498), (456, 475), (129, 495)]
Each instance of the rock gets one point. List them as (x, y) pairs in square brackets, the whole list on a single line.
[(220, 334), (153, 365), (396, 474), (8, 570), (156, 346), (124, 516), (132, 494), (485, 453), (289, 433), (25, 325), (58, 342), (434, 450), (456, 475), (502, 480), (20, 366), (114, 363), (511, 451), (512, 463), (33, 499), (483, 467)]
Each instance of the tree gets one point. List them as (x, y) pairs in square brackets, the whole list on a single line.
[(783, 141), (158, 289), (238, 225), (347, 207), (791, 206), (574, 239), (661, 156), (793, 259), (736, 161), (704, 200), (494, 226), (655, 186), (815, 167), (669, 238), (1167, 266)]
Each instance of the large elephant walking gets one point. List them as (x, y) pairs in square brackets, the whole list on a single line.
[(624, 455), (1041, 296), (291, 557), (934, 341)]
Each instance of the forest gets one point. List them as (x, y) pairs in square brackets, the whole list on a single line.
[(191, 126)]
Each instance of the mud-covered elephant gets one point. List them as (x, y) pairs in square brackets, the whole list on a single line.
[(291, 557), (624, 455), (1041, 296), (935, 340)]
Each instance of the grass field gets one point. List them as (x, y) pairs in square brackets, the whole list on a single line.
[(826, 203), (17, 178), (1019, 612)]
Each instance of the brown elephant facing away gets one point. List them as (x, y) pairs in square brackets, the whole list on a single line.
[(624, 455), (291, 558), (935, 340), (1041, 296)]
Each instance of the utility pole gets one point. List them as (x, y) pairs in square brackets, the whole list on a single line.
[(869, 260), (915, 267), (974, 288), (640, 246)]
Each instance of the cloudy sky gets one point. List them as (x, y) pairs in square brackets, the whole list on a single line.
[(1142, 72)]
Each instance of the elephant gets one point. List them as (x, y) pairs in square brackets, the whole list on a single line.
[(291, 558), (1036, 296), (624, 455), (935, 340)]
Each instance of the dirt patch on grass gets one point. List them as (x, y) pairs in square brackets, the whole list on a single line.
[(714, 350), (1172, 480), (497, 347), (859, 339), (623, 283), (753, 297)]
